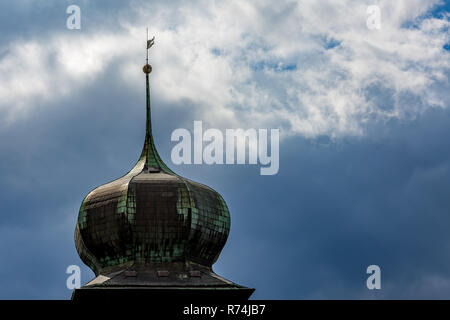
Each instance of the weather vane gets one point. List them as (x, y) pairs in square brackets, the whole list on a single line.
[(150, 43)]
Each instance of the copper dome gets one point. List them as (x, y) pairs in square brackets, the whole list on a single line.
[(150, 215)]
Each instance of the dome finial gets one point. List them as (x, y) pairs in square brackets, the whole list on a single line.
[(148, 68), (152, 159)]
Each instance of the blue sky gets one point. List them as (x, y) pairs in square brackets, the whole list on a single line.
[(363, 114)]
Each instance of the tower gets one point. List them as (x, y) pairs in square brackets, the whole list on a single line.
[(153, 234)]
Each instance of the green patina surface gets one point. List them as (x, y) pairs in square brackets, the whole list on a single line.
[(149, 152)]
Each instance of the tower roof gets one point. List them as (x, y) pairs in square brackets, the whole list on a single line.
[(165, 228)]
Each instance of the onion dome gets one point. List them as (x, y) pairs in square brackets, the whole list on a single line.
[(151, 215), (152, 227)]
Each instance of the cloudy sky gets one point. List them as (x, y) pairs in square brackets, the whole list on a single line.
[(364, 125)]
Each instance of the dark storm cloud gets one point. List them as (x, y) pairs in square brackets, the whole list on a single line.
[(312, 230)]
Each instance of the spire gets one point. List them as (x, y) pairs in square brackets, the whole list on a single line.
[(153, 162)]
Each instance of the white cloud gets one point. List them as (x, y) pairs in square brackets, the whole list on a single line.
[(311, 68), (33, 72)]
